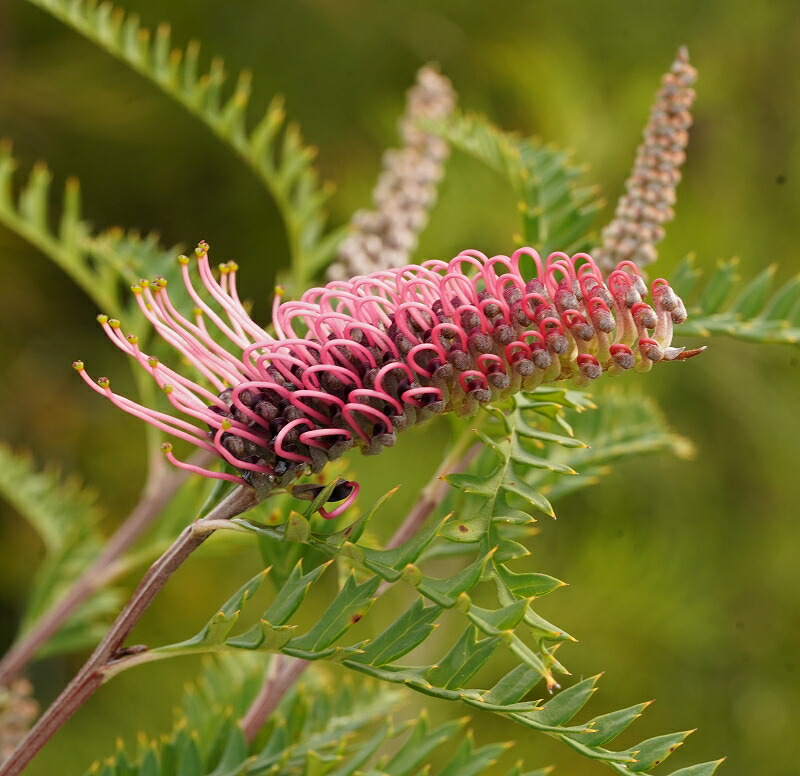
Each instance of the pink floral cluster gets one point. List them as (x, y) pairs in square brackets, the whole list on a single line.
[(353, 363)]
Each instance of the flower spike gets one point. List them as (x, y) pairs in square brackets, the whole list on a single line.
[(358, 361), (406, 189), (649, 199)]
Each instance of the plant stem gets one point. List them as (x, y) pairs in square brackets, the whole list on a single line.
[(159, 489), (90, 676), (284, 671)]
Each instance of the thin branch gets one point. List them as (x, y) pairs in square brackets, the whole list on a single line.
[(159, 489), (90, 676), (283, 672)]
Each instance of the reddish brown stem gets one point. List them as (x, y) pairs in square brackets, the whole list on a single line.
[(157, 493), (282, 674), (90, 677)]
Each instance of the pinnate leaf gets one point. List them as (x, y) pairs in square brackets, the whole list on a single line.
[(747, 310)]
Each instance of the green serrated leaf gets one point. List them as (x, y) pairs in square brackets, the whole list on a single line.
[(595, 753), (754, 316), (506, 514), (53, 505), (263, 635), (219, 626), (752, 300), (351, 603), (471, 483), (783, 302), (625, 425), (719, 287), (364, 754), (528, 584), (528, 657), (530, 432), (701, 769), (556, 213), (514, 686), (321, 498), (123, 765), (399, 557), (190, 760), (420, 745), (496, 621), (234, 752), (653, 751), (567, 703), (469, 761), (72, 247), (527, 492), (405, 633), (683, 278), (463, 660), (149, 765), (66, 516), (353, 532), (524, 458), (298, 529), (508, 549), (292, 593), (608, 726), (445, 592)]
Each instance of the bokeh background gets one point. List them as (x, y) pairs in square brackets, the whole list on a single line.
[(684, 576)]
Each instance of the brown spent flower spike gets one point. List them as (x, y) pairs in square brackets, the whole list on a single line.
[(18, 710), (406, 190), (650, 190)]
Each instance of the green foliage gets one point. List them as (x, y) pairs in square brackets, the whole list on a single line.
[(623, 425), (505, 625), (449, 677), (528, 444), (273, 149), (98, 263), (557, 214), (65, 515), (29, 216), (320, 727), (746, 310)]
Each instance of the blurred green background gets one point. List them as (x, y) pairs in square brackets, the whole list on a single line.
[(684, 576)]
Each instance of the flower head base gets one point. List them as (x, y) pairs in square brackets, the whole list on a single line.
[(357, 361)]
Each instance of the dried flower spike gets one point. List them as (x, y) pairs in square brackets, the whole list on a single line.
[(18, 710), (650, 190), (357, 361), (406, 189)]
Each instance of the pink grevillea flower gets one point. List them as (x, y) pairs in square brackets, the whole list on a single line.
[(357, 361)]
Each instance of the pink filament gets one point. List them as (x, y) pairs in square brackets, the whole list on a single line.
[(328, 515)]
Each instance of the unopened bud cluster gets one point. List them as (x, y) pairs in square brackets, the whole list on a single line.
[(406, 189), (356, 362), (650, 191)]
